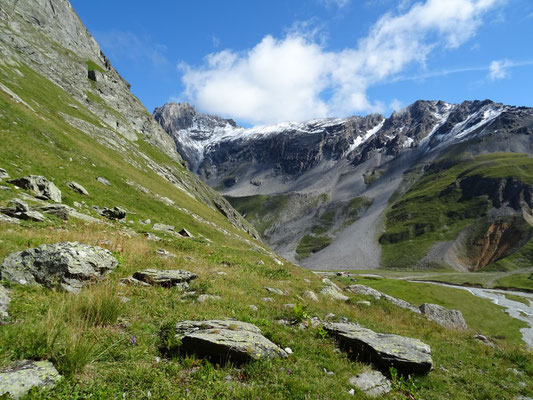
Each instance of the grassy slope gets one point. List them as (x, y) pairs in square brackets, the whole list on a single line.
[(88, 337), (423, 216)]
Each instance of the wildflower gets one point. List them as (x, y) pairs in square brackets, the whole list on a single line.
[(133, 340)]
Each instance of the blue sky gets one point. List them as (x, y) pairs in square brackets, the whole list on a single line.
[(266, 61)]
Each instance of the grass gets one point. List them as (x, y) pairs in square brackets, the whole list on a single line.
[(311, 244), (92, 66)]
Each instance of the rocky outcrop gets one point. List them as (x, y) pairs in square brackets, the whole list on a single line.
[(68, 266), (384, 350), (372, 384), (115, 213), (225, 340), (368, 291), (41, 187), (21, 376), (166, 278), (78, 188), (20, 210), (451, 319)]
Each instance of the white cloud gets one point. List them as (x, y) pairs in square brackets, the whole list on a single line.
[(499, 69), (396, 105), (296, 78)]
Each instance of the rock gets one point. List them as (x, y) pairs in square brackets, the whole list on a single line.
[(103, 181), (363, 303), (164, 253), (185, 233), (207, 297), (335, 294), (226, 340), (274, 290), (451, 319), (260, 262), (330, 316), (163, 228), (309, 294), (289, 305), (114, 213), (252, 307), (78, 188), (372, 383), (21, 376), (368, 291), (330, 283), (132, 282), (166, 278), (4, 303), (405, 354), (68, 265), (3, 174), (9, 220), (40, 186), (151, 236), (61, 211), (288, 350), (485, 340), (267, 299), (20, 210)]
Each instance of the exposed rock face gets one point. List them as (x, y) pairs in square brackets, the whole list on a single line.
[(59, 210), (226, 340), (17, 379), (78, 188), (4, 303), (167, 278), (68, 266), (372, 383), (20, 210), (384, 350), (40, 186), (451, 319)]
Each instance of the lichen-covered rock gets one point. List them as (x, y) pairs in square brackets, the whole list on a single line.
[(334, 293), (164, 228), (372, 383), (78, 188), (167, 278), (309, 294), (20, 210), (275, 291), (451, 319), (61, 211), (405, 354), (9, 220), (226, 340), (4, 303), (17, 379), (40, 186), (68, 265)]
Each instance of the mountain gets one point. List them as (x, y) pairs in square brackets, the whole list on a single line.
[(349, 192)]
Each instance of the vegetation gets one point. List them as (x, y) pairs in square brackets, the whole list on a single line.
[(311, 244), (92, 66)]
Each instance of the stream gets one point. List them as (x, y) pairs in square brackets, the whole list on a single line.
[(515, 309)]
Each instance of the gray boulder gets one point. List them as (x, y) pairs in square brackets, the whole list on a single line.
[(68, 265), (405, 354), (309, 294), (114, 213), (226, 340), (20, 210), (3, 174), (78, 188), (334, 293), (185, 233), (40, 186), (451, 319), (61, 211), (167, 278), (368, 291), (103, 181), (4, 303), (9, 220), (372, 383), (275, 291), (164, 228), (207, 297), (17, 379)]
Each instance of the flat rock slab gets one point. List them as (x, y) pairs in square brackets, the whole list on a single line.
[(451, 319), (20, 210), (226, 340), (372, 383), (405, 354), (40, 186), (167, 278), (78, 188), (21, 376), (4, 303), (331, 291), (368, 291), (68, 265)]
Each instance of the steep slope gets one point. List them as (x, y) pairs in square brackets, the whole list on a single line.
[(320, 166)]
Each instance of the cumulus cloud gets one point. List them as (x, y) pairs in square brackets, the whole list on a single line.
[(296, 78), (499, 69)]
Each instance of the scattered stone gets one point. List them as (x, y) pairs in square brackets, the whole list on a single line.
[(40, 186), (330, 373), (252, 307), (2, 187), (164, 253), (485, 340), (288, 350), (226, 340), (363, 303), (368, 291), (9, 220), (335, 294), (114, 213), (278, 262), (166, 278), (309, 294), (68, 265), (207, 297), (20, 210), (221, 273), (189, 258), (274, 290), (17, 379), (330, 283), (267, 299), (451, 319), (131, 281), (372, 383), (260, 262), (351, 392), (307, 280), (3, 174), (61, 211), (405, 354), (103, 181), (125, 299), (78, 188), (371, 276), (185, 233), (163, 228), (84, 217), (344, 274), (4, 303), (330, 316), (151, 236), (291, 306)]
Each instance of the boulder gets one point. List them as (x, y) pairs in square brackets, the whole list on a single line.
[(20, 210), (68, 266), (40, 186), (17, 379), (225, 340), (309, 294), (103, 181), (331, 291), (3, 174), (61, 211), (9, 220), (151, 236), (274, 290), (131, 281), (207, 297), (4, 303), (405, 354), (368, 291), (114, 213), (78, 188), (185, 233), (166, 278), (451, 319), (163, 228), (372, 383)]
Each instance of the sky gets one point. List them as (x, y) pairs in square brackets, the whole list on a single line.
[(267, 61)]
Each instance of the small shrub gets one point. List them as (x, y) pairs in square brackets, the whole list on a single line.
[(404, 385)]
